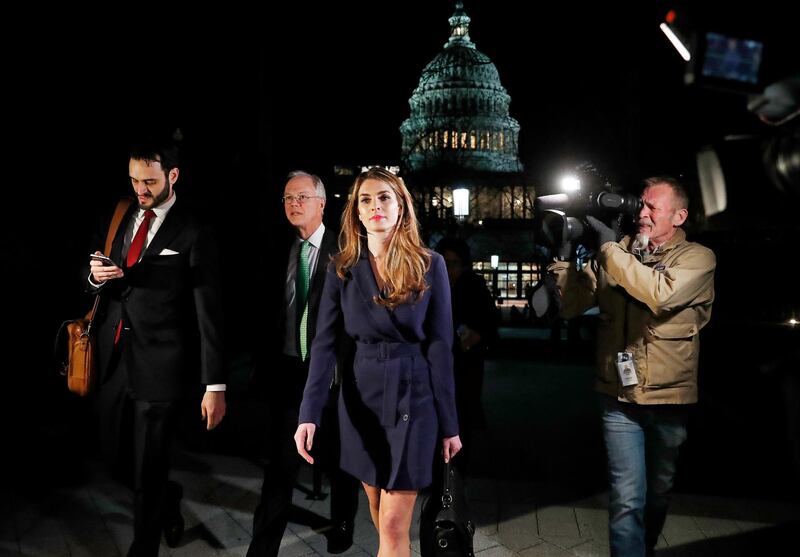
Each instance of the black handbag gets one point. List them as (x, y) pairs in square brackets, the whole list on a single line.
[(446, 529)]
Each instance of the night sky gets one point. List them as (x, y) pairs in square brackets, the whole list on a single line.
[(328, 83)]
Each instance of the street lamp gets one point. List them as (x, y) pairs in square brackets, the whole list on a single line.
[(460, 203)]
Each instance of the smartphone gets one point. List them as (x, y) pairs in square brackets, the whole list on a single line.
[(104, 259)]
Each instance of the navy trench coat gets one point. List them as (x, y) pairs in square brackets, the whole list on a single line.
[(398, 399)]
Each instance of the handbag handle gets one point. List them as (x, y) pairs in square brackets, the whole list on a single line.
[(116, 220), (447, 487)]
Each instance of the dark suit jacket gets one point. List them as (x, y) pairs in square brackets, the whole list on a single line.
[(271, 378), (171, 306)]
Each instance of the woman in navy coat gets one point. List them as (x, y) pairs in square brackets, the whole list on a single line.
[(391, 296)]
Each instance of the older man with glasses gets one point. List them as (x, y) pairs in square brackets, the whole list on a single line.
[(288, 341)]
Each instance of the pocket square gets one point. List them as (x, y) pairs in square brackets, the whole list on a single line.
[(168, 252)]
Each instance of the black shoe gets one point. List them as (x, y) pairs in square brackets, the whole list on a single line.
[(173, 521), (340, 536)]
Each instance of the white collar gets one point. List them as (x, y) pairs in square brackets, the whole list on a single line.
[(316, 238)]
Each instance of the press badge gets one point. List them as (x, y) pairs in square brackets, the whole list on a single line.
[(626, 369)]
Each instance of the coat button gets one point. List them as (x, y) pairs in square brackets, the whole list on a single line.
[(405, 417)]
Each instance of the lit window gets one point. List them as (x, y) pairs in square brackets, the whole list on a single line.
[(461, 202)]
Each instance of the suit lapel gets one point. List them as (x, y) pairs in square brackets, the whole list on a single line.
[(171, 227), (278, 300), (326, 250), (364, 280)]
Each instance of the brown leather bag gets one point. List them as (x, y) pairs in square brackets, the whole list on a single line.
[(79, 363)]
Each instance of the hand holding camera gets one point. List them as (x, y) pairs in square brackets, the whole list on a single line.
[(603, 233), (568, 220)]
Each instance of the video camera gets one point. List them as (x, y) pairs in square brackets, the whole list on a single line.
[(761, 64), (561, 216)]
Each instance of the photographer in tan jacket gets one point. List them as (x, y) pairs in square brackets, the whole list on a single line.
[(654, 293)]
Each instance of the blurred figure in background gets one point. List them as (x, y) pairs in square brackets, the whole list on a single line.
[(475, 330)]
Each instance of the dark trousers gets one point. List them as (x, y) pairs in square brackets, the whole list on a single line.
[(283, 465), (344, 487), (135, 438)]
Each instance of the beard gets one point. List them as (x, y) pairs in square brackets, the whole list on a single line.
[(156, 200), (641, 243)]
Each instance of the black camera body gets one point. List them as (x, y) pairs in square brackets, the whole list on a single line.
[(561, 224), (561, 216)]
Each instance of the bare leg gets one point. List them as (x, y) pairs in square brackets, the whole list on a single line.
[(391, 513), (374, 496), (396, 510)]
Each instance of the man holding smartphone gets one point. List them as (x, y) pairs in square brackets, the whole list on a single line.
[(102, 259), (158, 338)]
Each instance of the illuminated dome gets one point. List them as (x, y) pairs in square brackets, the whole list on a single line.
[(459, 111)]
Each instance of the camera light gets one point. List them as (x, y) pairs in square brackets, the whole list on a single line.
[(676, 41), (570, 183)]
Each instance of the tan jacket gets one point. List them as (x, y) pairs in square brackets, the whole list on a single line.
[(653, 309)]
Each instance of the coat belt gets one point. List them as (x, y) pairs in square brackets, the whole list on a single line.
[(385, 353)]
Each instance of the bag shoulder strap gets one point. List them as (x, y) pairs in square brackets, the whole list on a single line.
[(116, 220)]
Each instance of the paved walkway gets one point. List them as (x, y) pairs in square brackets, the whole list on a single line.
[(537, 488), (95, 519)]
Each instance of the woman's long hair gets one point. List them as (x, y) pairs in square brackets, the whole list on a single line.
[(406, 259)]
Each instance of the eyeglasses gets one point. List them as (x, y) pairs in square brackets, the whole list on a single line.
[(301, 199)]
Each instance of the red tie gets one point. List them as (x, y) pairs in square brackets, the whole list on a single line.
[(138, 241), (137, 244)]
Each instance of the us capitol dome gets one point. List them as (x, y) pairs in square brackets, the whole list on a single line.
[(460, 158), (459, 111)]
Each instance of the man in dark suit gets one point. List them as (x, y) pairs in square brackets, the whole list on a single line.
[(159, 323), (283, 370)]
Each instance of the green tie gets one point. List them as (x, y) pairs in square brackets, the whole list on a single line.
[(302, 298)]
